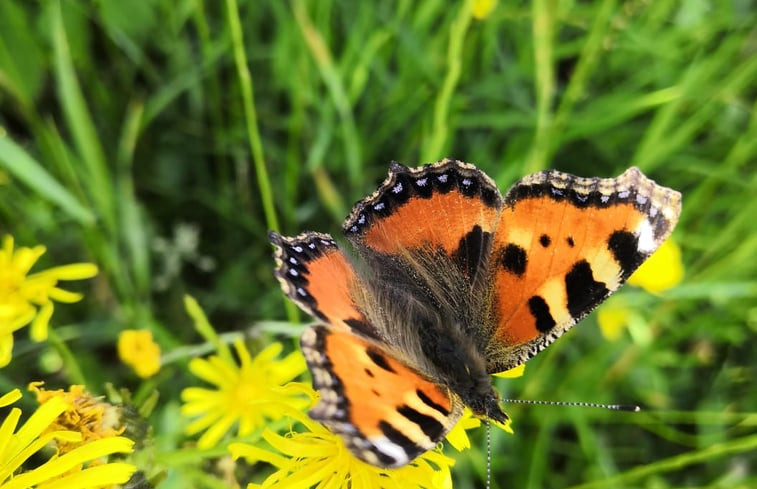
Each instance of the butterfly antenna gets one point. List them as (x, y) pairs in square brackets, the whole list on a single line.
[(612, 407), (488, 454)]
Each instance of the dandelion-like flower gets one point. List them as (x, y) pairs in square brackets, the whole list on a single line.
[(137, 349), (28, 298), (248, 393), (319, 458), (81, 467), (89, 416)]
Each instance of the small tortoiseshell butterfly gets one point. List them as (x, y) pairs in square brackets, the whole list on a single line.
[(455, 282)]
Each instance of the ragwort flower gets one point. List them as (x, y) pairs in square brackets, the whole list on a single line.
[(137, 349), (93, 418), (319, 458), (28, 298), (81, 467), (248, 393)]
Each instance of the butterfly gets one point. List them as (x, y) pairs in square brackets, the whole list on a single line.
[(450, 282)]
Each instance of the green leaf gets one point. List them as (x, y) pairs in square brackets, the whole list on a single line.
[(20, 74), (25, 168)]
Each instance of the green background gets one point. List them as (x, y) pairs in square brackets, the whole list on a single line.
[(161, 139)]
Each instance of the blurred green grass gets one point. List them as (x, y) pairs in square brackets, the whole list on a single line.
[(126, 128)]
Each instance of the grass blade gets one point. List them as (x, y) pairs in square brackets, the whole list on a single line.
[(28, 170), (80, 123)]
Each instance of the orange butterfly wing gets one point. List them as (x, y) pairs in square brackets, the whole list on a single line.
[(562, 245), (448, 206), (387, 412), (317, 276), (439, 242)]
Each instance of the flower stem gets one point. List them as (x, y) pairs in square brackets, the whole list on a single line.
[(71, 366)]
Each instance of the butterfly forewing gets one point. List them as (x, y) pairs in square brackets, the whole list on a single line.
[(563, 244), (450, 207)]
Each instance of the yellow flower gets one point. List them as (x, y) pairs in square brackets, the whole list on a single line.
[(319, 458), (79, 468), (612, 318), (28, 299), (248, 393), (137, 349), (458, 436), (482, 8), (662, 271), (84, 414), (513, 373)]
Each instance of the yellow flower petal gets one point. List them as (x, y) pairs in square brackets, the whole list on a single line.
[(73, 460), (10, 397), (7, 249), (7, 428), (65, 296), (249, 452), (25, 258), (82, 467), (74, 271), (137, 349), (247, 393), (27, 298), (613, 318), (98, 476), (482, 8), (458, 436), (513, 373), (40, 420), (85, 415), (320, 458), (15, 317), (662, 271), (38, 330), (6, 349)]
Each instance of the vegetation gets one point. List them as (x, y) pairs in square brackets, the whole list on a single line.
[(162, 139)]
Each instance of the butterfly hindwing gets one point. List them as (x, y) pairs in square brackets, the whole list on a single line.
[(563, 244), (316, 274), (386, 412)]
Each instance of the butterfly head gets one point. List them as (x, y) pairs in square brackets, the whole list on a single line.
[(471, 381), (487, 406)]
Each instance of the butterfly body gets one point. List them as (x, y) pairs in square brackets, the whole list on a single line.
[(453, 282), (432, 317)]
